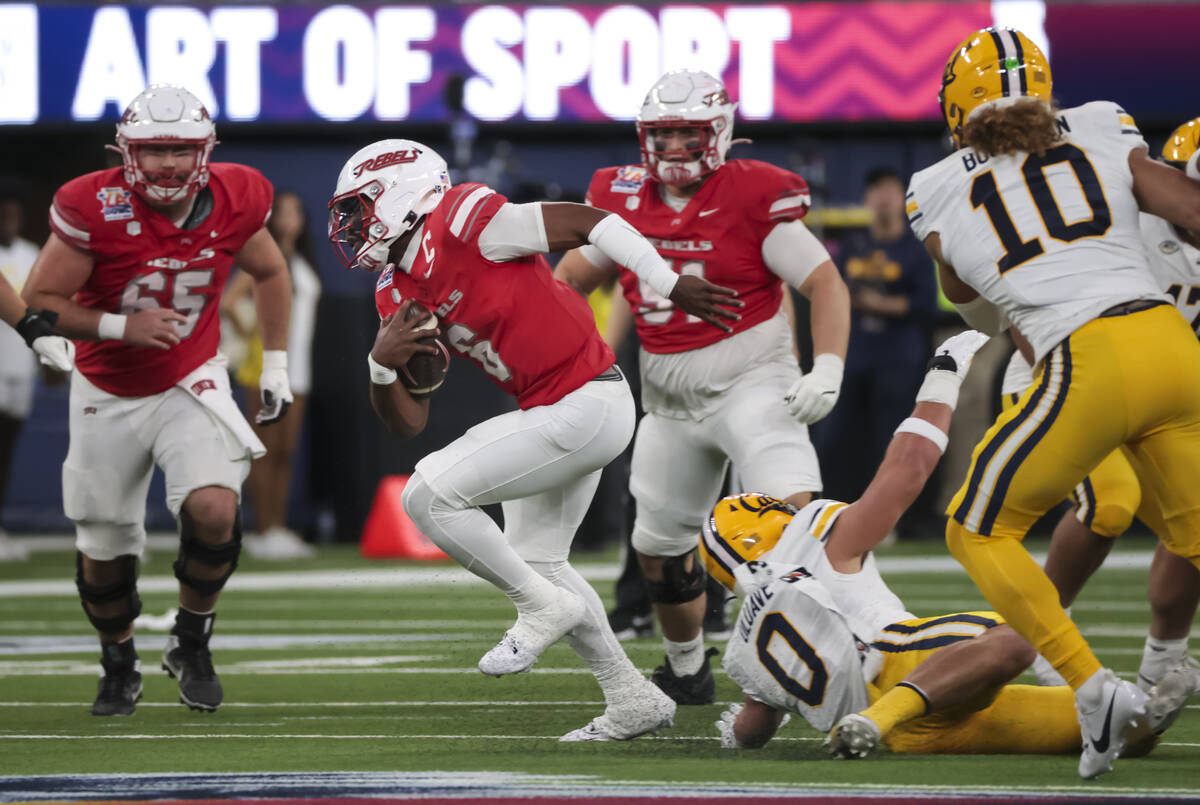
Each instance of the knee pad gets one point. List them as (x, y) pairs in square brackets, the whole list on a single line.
[(192, 548), (417, 497), (123, 590), (679, 585)]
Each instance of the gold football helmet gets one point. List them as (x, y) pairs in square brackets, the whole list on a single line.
[(1183, 143), (741, 528), (991, 65)]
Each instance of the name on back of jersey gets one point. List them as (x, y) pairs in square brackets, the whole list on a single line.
[(629, 179)]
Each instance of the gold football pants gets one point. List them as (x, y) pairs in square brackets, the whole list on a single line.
[(1129, 380)]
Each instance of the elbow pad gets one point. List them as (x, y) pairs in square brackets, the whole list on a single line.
[(982, 315)]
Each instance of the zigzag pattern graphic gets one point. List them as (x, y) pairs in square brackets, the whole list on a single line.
[(856, 61)]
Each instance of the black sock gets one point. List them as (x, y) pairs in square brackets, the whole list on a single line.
[(194, 628), (116, 657)]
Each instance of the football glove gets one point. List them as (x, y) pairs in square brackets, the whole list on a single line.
[(949, 366), (276, 390), (813, 396), (728, 719), (37, 328)]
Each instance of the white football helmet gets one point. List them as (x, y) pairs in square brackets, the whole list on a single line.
[(383, 191), (685, 99), (165, 114)]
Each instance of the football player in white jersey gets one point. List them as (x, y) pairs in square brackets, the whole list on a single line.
[(821, 635), (1034, 221), (1108, 499)]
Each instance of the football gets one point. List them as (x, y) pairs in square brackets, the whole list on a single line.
[(425, 373)]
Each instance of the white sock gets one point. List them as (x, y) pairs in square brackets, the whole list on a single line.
[(686, 657), (1089, 696), (1158, 657), (593, 639), (1045, 673)]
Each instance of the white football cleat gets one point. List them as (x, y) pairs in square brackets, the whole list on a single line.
[(533, 633), (1103, 729), (855, 736), (639, 711), (1170, 695)]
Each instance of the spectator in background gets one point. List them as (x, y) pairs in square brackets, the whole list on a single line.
[(271, 476), (893, 294), (18, 365)]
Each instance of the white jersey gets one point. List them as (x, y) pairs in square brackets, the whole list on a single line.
[(18, 364), (1175, 266), (793, 651), (1053, 241), (866, 601)]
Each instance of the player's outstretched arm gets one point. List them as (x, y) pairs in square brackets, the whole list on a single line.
[(261, 259), (911, 456), (1165, 191), (396, 343)]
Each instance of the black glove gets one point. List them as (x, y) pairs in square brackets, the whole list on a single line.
[(35, 324)]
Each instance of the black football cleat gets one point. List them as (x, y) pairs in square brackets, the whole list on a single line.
[(698, 688), (121, 685), (191, 663)]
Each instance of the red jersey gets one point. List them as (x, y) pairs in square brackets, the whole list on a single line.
[(718, 236), (534, 336), (141, 260)]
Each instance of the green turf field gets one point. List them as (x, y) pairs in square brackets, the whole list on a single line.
[(328, 672)]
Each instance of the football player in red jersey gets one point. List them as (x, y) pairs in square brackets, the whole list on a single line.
[(134, 268), (713, 397), (475, 260)]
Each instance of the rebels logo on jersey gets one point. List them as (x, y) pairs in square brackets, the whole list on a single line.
[(718, 236), (534, 336), (142, 261)]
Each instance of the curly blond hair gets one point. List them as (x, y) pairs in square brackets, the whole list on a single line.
[(1029, 125)]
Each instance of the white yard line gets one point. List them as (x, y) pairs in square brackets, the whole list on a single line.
[(405, 577)]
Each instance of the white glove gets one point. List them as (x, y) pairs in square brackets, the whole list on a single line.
[(725, 726), (813, 396), (949, 366), (276, 391), (55, 351), (961, 349)]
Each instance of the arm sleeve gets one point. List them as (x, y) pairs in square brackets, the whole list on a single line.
[(516, 230), (791, 252)]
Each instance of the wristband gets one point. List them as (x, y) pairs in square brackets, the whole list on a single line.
[(940, 386), (625, 246), (111, 326), (274, 359), (923, 427), (380, 374)]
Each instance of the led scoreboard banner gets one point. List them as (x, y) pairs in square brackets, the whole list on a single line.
[(583, 63)]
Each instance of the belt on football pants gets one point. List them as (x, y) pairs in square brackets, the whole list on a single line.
[(611, 373), (1136, 306)]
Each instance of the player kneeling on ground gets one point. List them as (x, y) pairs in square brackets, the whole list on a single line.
[(821, 635), (133, 268), (474, 259)]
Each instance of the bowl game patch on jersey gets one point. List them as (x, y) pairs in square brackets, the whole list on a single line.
[(629, 179), (115, 204)]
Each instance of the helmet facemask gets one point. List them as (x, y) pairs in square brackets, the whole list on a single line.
[(680, 160), (360, 239), (169, 117)]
